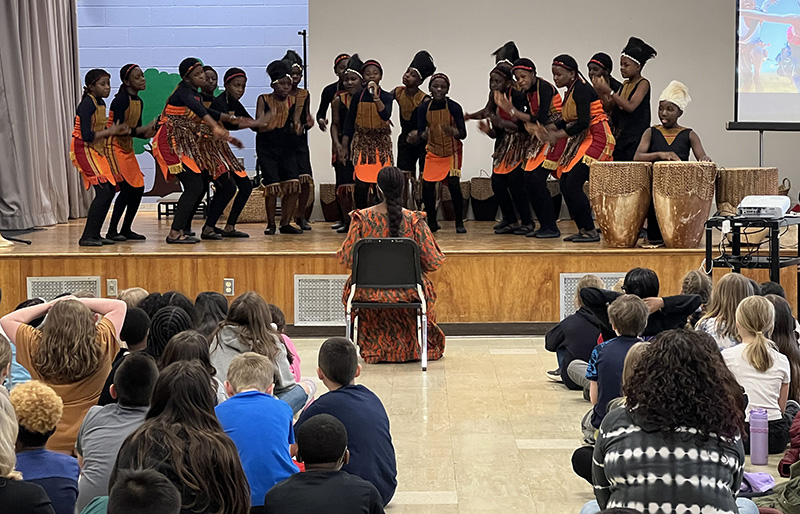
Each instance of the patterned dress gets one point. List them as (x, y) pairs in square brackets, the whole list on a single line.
[(385, 337)]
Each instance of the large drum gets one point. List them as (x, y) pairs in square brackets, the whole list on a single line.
[(733, 184), (620, 196), (682, 195)]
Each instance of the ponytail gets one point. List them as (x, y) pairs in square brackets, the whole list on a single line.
[(755, 316), (91, 77), (391, 181), (757, 352)]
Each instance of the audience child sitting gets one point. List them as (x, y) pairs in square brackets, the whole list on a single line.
[(191, 345), (132, 296), (574, 339), (143, 492), (762, 370), (322, 445), (720, 317), (16, 496), (166, 322), (19, 374), (247, 329), (250, 414), (211, 308), (153, 302), (697, 282), (279, 320), (628, 317), (368, 437), (72, 354), (38, 410), (770, 287), (105, 427), (134, 339), (182, 439), (5, 371)]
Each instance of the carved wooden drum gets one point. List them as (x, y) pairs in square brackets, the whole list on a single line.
[(682, 195), (620, 196)]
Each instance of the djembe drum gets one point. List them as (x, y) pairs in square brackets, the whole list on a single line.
[(620, 196), (733, 184), (682, 195)]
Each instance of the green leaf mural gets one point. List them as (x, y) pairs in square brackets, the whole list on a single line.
[(160, 85)]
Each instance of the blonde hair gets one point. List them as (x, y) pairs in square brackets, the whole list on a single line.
[(67, 352), (631, 360), (251, 370), (697, 282), (38, 407), (755, 316), (628, 315), (584, 282), (132, 296), (5, 353), (8, 438), (726, 295)]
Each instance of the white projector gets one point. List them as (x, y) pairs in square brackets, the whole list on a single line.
[(769, 207)]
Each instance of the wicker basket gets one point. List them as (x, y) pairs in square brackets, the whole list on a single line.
[(327, 199), (447, 200), (484, 202)]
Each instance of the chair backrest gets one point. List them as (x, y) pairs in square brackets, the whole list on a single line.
[(386, 263)]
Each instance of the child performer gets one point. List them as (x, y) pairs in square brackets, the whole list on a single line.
[(330, 91), (208, 90), (441, 123), (601, 65), (367, 137), (88, 153), (178, 148), (126, 108), (542, 159), (409, 97), (235, 181), (302, 121), (668, 142), (352, 82), (630, 109), (585, 125), (276, 149)]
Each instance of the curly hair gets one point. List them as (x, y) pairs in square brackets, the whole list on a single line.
[(38, 407), (391, 181), (682, 381), (68, 351)]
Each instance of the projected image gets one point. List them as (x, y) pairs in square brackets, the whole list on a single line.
[(769, 60)]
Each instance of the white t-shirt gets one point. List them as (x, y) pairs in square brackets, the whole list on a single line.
[(762, 388)]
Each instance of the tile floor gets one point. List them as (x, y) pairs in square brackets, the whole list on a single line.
[(483, 431)]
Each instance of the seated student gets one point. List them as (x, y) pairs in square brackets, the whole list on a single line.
[(18, 374), (665, 313), (39, 410), (105, 427), (574, 339), (132, 296), (628, 317), (697, 282), (144, 491), (250, 414), (720, 317), (770, 287), (279, 320), (5, 371), (361, 411), (165, 323), (191, 345), (762, 370), (322, 445), (134, 333)]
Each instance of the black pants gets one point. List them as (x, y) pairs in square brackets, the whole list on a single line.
[(653, 230), (539, 196), (582, 462), (572, 189), (193, 190), (344, 176), (225, 187), (365, 194), (103, 195), (409, 156), (510, 191), (429, 199), (129, 198), (206, 178)]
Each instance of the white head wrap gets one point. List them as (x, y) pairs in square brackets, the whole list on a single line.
[(677, 93)]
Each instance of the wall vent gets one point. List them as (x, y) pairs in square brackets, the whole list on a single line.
[(50, 287), (569, 282), (318, 300)]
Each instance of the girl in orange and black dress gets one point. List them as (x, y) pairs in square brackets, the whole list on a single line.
[(600, 67), (351, 82), (409, 97), (302, 122), (88, 152), (126, 108), (585, 126), (330, 91), (367, 139), (179, 148), (440, 121)]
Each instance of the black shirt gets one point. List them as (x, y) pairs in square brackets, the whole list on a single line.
[(630, 126), (24, 498), (583, 94), (86, 110), (185, 96), (576, 336), (331, 492), (681, 145), (105, 396), (226, 104), (365, 96), (328, 94), (456, 111), (119, 107)]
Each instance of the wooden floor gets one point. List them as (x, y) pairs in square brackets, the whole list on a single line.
[(487, 278)]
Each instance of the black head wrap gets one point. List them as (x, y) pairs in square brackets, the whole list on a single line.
[(508, 53), (423, 64), (638, 51), (603, 60), (566, 61), (277, 70)]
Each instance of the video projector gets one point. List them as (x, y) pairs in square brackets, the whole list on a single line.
[(767, 207)]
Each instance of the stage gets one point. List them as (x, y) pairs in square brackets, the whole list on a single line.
[(488, 284)]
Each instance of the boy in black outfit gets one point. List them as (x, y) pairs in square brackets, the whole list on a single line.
[(323, 487), (361, 411)]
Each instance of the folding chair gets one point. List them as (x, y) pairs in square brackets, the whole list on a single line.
[(388, 263)]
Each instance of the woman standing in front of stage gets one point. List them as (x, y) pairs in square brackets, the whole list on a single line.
[(630, 108), (585, 126)]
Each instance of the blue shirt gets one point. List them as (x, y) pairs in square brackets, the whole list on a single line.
[(261, 428), (56, 473), (605, 368), (368, 437)]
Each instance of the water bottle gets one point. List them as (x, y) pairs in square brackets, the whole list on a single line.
[(759, 437)]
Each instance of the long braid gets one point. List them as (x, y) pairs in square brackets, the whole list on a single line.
[(391, 181)]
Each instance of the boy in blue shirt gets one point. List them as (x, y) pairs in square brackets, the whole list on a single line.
[(361, 411), (259, 424), (628, 317)]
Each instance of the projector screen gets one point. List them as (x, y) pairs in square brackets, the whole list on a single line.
[(768, 61)]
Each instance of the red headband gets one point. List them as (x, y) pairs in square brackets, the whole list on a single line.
[(237, 74), (373, 62), (563, 65), (339, 59), (441, 76), (520, 67), (595, 61), (129, 70), (193, 66)]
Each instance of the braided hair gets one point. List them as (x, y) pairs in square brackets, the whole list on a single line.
[(391, 181), (91, 77)]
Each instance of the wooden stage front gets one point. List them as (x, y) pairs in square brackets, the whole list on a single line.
[(487, 278)]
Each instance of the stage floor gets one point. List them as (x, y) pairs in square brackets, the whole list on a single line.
[(486, 279)]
